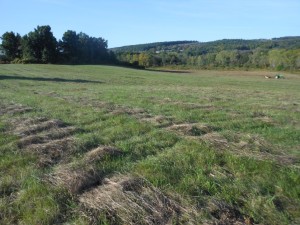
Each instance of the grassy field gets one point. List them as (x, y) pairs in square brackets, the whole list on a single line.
[(110, 145)]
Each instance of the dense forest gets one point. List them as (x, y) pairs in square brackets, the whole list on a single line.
[(276, 54), (40, 46)]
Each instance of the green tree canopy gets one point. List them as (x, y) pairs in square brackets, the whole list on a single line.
[(40, 45), (11, 44), (83, 49)]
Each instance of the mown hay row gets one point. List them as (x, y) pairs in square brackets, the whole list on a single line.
[(129, 200), (81, 175), (191, 129), (13, 109), (50, 140)]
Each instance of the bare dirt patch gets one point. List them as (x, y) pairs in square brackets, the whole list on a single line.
[(129, 200)]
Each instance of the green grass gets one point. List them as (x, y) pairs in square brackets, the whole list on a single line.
[(241, 106)]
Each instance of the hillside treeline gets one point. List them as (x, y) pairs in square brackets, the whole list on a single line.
[(40, 46), (150, 46), (275, 54)]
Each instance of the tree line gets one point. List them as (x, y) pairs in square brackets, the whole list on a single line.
[(276, 59), (274, 54), (40, 46), (151, 46)]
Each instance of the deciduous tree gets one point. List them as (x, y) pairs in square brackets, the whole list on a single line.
[(11, 44)]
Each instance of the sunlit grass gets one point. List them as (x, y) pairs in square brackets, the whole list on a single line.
[(241, 106)]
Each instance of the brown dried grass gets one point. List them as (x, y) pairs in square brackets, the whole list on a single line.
[(13, 109), (135, 112), (255, 146), (53, 151), (76, 178), (51, 134), (216, 140), (160, 121), (83, 175), (130, 200), (224, 214), (191, 129), (49, 140), (24, 129), (102, 152)]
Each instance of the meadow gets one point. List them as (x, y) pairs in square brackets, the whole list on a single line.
[(113, 145)]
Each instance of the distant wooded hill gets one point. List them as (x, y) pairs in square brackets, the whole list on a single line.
[(153, 46), (277, 53), (215, 46)]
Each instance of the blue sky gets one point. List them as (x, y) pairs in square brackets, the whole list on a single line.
[(126, 22)]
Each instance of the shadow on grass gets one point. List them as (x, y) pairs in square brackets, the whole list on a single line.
[(168, 71), (5, 77)]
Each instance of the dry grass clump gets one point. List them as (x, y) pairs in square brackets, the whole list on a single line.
[(32, 139), (102, 152), (49, 140), (255, 143), (191, 129), (227, 215), (188, 106), (52, 152), (21, 123), (41, 138), (76, 177), (13, 109), (266, 119), (29, 127), (215, 139), (160, 121), (262, 117), (135, 112), (129, 200), (255, 146)]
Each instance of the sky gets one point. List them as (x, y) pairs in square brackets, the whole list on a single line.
[(129, 22)]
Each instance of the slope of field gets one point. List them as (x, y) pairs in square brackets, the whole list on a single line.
[(110, 145)]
